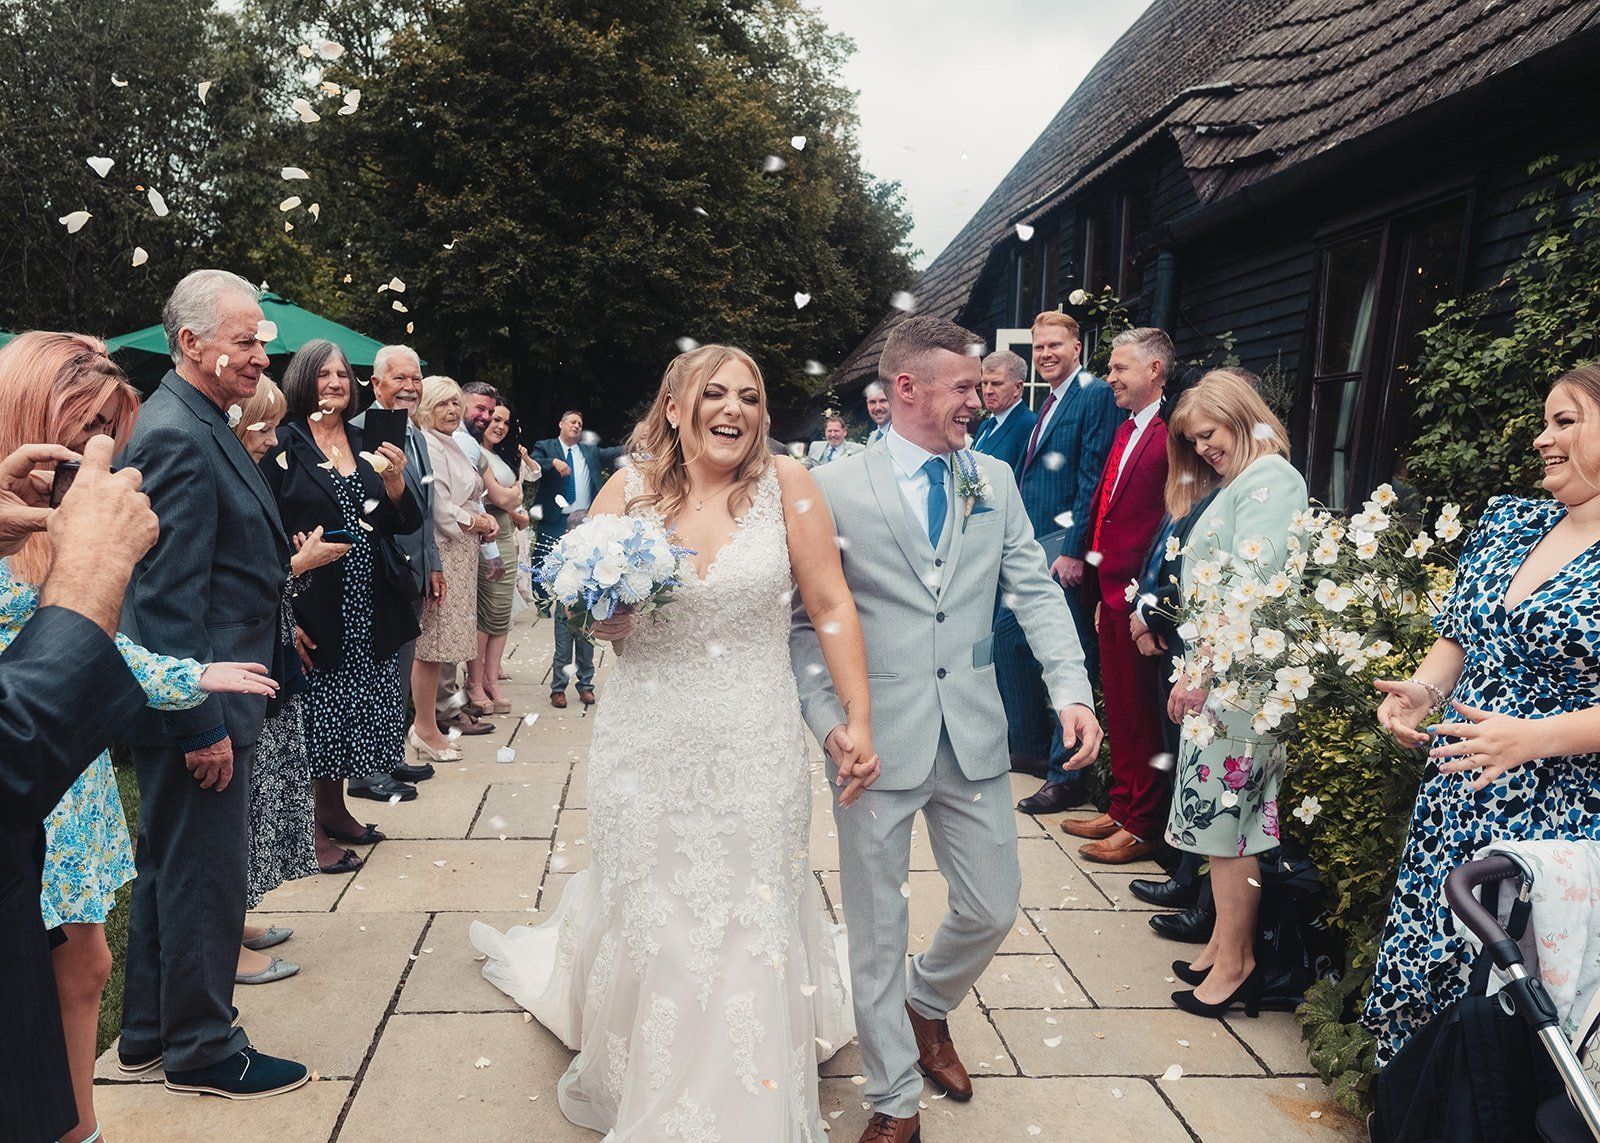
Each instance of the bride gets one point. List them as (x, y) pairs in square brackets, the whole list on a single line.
[(692, 967)]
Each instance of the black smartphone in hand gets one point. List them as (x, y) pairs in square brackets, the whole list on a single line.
[(383, 426), (338, 536), (66, 473)]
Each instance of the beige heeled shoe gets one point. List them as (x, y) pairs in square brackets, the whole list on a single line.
[(428, 753)]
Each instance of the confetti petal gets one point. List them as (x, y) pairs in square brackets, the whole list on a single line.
[(115, 82), (203, 88), (302, 108), (352, 100), (289, 203), (772, 164), (266, 330), (100, 165), (157, 203), (235, 414), (1024, 231), (399, 307), (315, 210), (258, 427), (904, 301), (329, 50), (801, 300), (140, 256), (687, 344), (291, 173), (74, 221), (1173, 1072), (397, 285), (798, 142)]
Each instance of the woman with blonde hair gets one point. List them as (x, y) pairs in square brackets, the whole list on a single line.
[(449, 625), (63, 388), (692, 965), (1224, 443)]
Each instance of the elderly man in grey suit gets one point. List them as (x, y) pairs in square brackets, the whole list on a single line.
[(209, 590), (930, 533)]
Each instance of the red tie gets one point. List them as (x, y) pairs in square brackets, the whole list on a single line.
[(1108, 483), (1038, 427)]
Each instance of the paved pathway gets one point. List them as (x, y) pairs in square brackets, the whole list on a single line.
[(1070, 1033)]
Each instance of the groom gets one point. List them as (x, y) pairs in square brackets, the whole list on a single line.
[(926, 603)]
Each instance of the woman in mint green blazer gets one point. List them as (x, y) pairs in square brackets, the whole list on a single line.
[(1221, 436)]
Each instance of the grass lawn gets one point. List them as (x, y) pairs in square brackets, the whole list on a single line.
[(117, 922)]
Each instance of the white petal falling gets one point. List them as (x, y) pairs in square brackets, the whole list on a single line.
[(687, 344), (302, 108), (291, 173), (315, 211), (329, 50), (289, 203), (235, 415), (157, 203), (798, 142), (1024, 231), (451, 245), (287, 226), (702, 212), (904, 301), (100, 165), (115, 82), (74, 221), (266, 330), (399, 307), (773, 164), (815, 368), (258, 427), (140, 256), (203, 88), (801, 300), (397, 285), (328, 87), (305, 51), (411, 327), (352, 100)]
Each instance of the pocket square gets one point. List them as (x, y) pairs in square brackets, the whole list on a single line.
[(980, 508)]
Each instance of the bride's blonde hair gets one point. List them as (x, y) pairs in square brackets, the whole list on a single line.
[(657, 448)]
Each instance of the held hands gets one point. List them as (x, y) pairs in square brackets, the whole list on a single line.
[(238, 679), (1493, 743), (1145, 641), (485, 527), (858, 766), (312, 551), (1080, 728), (623, 622), (212, 765), (394, 477), (1182, 701), (1406, 703), (1066, 571)]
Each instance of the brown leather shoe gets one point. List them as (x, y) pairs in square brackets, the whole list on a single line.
[(938, 1058), (586, 696), (883, 1128), (465, 723), (1104, 853), (1093, 829), (558, 699)]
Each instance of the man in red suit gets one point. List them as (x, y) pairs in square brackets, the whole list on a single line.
[(1128, 507)]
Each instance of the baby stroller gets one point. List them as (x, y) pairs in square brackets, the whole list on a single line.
[(1575, 1117)]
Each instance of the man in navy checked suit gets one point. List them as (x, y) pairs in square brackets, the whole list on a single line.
[(1004, 434), (1061, 466)]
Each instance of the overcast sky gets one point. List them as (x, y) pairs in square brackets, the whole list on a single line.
[(954, 91)]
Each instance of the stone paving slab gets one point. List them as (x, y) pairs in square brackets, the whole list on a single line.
[(475, 876), (148, 1113), (1260, 1111), (450, 979), (1119, 1042), (522, 807)]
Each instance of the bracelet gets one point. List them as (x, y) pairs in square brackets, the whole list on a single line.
[(1436, 693)]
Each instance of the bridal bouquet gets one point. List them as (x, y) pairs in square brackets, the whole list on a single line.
[(1274, 633), (608, 564)]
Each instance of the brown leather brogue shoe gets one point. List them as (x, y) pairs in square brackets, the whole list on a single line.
[(1097, 828), (938, 1058), (558, 699), (883, 1128), (1105, 853)]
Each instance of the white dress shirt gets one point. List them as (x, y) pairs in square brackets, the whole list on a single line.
[(582, 497), (472, 448), (1141, 421), (908, 475)]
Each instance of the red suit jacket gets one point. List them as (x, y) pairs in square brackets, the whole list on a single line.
[(1132, 518)]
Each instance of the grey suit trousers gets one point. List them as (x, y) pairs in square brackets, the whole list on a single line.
[(187, 916), (973, 832)]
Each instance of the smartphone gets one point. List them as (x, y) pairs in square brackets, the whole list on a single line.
[(383, 426), (338, 536), (66, 473)]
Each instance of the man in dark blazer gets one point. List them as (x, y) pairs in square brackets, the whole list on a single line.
[(1061, 465), (64, 691), (1129, 505), (208, 590), (573, 477), (1004, 433), (397, 384)]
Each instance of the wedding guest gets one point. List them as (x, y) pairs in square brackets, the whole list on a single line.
[(282, 821), (1518, 656), (833, 445), (1221, 436), (64, 389), (397, 385), (878, 409), (1005, 433), (504, 495), (1061, 466), (355, 615), (449, 620), (208, 590), (564, 500), (65, 689), (1128, 507)]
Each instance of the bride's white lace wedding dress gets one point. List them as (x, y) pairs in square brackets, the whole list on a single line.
[(692, 966)]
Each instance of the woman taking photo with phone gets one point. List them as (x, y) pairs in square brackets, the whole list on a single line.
[(354, 614)]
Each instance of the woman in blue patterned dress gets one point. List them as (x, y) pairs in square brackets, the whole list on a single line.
[(1519, 656), (61, 388)]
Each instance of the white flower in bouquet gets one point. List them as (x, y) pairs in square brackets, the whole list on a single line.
[(1294, 681), (1304, 521), (1335, 597), (1448, 528), (1236, 638), (1251, 550), (1420, 546), (1222, 659), (1371, 518), (1198, 729), (1308, 809), (1326, 552), (1269, 643), (1366, 545), (1173, 549), (1207, 573), (611, 562), (1384, 496), (1379, 649), (1226, 694), (1277, 585), (1296, 565)]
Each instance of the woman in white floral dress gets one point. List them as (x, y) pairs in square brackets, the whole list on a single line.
[(62, 388), (692, 967)]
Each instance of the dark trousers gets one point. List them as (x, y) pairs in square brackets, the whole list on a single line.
[(187, 917), (1033, 726)]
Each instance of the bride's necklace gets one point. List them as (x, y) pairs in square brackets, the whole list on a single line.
[(700, 503)]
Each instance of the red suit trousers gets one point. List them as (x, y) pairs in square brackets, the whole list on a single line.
[(1139, 791)]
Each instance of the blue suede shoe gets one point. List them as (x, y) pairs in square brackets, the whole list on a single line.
[(245, 1075)]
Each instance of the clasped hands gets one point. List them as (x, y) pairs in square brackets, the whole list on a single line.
[(857, 764), (1493, 744)]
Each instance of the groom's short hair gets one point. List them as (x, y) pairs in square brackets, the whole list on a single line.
[(917, 336)]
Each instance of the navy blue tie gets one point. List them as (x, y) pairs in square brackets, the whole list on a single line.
[(570, 481), (984, 433), (938, 501)]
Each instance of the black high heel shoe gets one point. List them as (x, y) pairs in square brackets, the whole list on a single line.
[(1193, 976), (1248, 993)]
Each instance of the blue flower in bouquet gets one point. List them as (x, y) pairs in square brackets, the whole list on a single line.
[(608, 563)]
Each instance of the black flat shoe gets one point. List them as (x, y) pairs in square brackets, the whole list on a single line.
[(1192, 926), (1190, 976), (1168, 894), (384, 791), (370, 836), (1248, 994), (407, 772), (1051, 798), (348, 863)]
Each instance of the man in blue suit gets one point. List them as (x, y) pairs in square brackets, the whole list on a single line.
[(564, 498), (1061, 467), (1005, 433)]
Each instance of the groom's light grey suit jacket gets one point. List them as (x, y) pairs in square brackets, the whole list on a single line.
[(928, 619)]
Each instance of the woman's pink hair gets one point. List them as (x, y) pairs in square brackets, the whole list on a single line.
[(51, 385)]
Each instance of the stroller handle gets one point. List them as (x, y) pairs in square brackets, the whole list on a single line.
[(1460, 891)]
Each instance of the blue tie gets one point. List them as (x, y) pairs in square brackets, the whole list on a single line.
[(570, 482), (983, 433), (938, 501)]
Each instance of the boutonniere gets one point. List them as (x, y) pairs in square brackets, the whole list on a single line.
[(971, 485)]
